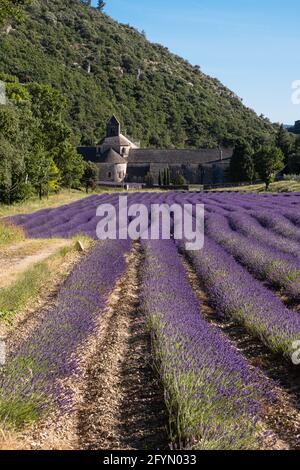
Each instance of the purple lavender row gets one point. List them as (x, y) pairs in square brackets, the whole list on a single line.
[(278, 223), (212, 394), (31, 380), (248, 226), (279, 269), (80, 216), (292, 216), (237, 295)]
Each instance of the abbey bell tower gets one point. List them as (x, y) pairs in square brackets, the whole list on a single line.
[(113, 127)]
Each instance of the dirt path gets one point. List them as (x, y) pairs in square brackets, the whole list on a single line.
[(118, 402), (23, 324), (282, 418), (123, 402), (16, 259)]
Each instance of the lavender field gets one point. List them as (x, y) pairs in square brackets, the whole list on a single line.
[(223, 327)]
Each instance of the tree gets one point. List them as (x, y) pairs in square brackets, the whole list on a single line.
[(17, 92), (101, 4), (90, 176), (165, 177), (248, 167), (48, 104), (70, 165), (149, 180), (294, 159), (242, 167), (12, 153), (36, 152), (12, 10), (294, 163), (284, 141), (168, 177), (296, 128), (159, 179), (11, 165), (49, 107), (269, 161), (43, 172), (179, 180)]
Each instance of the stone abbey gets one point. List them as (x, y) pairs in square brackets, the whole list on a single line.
[(120, 160)]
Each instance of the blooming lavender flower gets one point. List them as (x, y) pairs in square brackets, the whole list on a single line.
[(236, 294), (280, 269), (210, 390), (34, 373)]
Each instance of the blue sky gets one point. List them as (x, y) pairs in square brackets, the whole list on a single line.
[(252, 46)]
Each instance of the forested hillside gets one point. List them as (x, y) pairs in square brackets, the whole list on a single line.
[(102, 67)]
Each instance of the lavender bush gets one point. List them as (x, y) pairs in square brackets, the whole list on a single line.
[(236, 294), (279, 269), (211, 392), (33, 378)]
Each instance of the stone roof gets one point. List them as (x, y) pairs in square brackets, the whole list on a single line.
[(117, 140), (112, 157), (88, 153), (156, 156), (180, 157)]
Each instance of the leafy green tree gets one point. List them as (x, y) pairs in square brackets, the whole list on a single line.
[(296, 128), (7, 78), (179, 180), (37, 153), (242, 166), (285, 141), (12, 154), (12, 10), (48, 104), (294, 159), (70, 165), (268, 162), (294, 163), (248, 167), (90, 176), (9, 122), (17, 92), (7, 165), (43, 172)]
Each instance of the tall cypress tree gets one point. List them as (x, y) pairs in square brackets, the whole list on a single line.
[(159, 179), (165, 178), (168, 177)]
